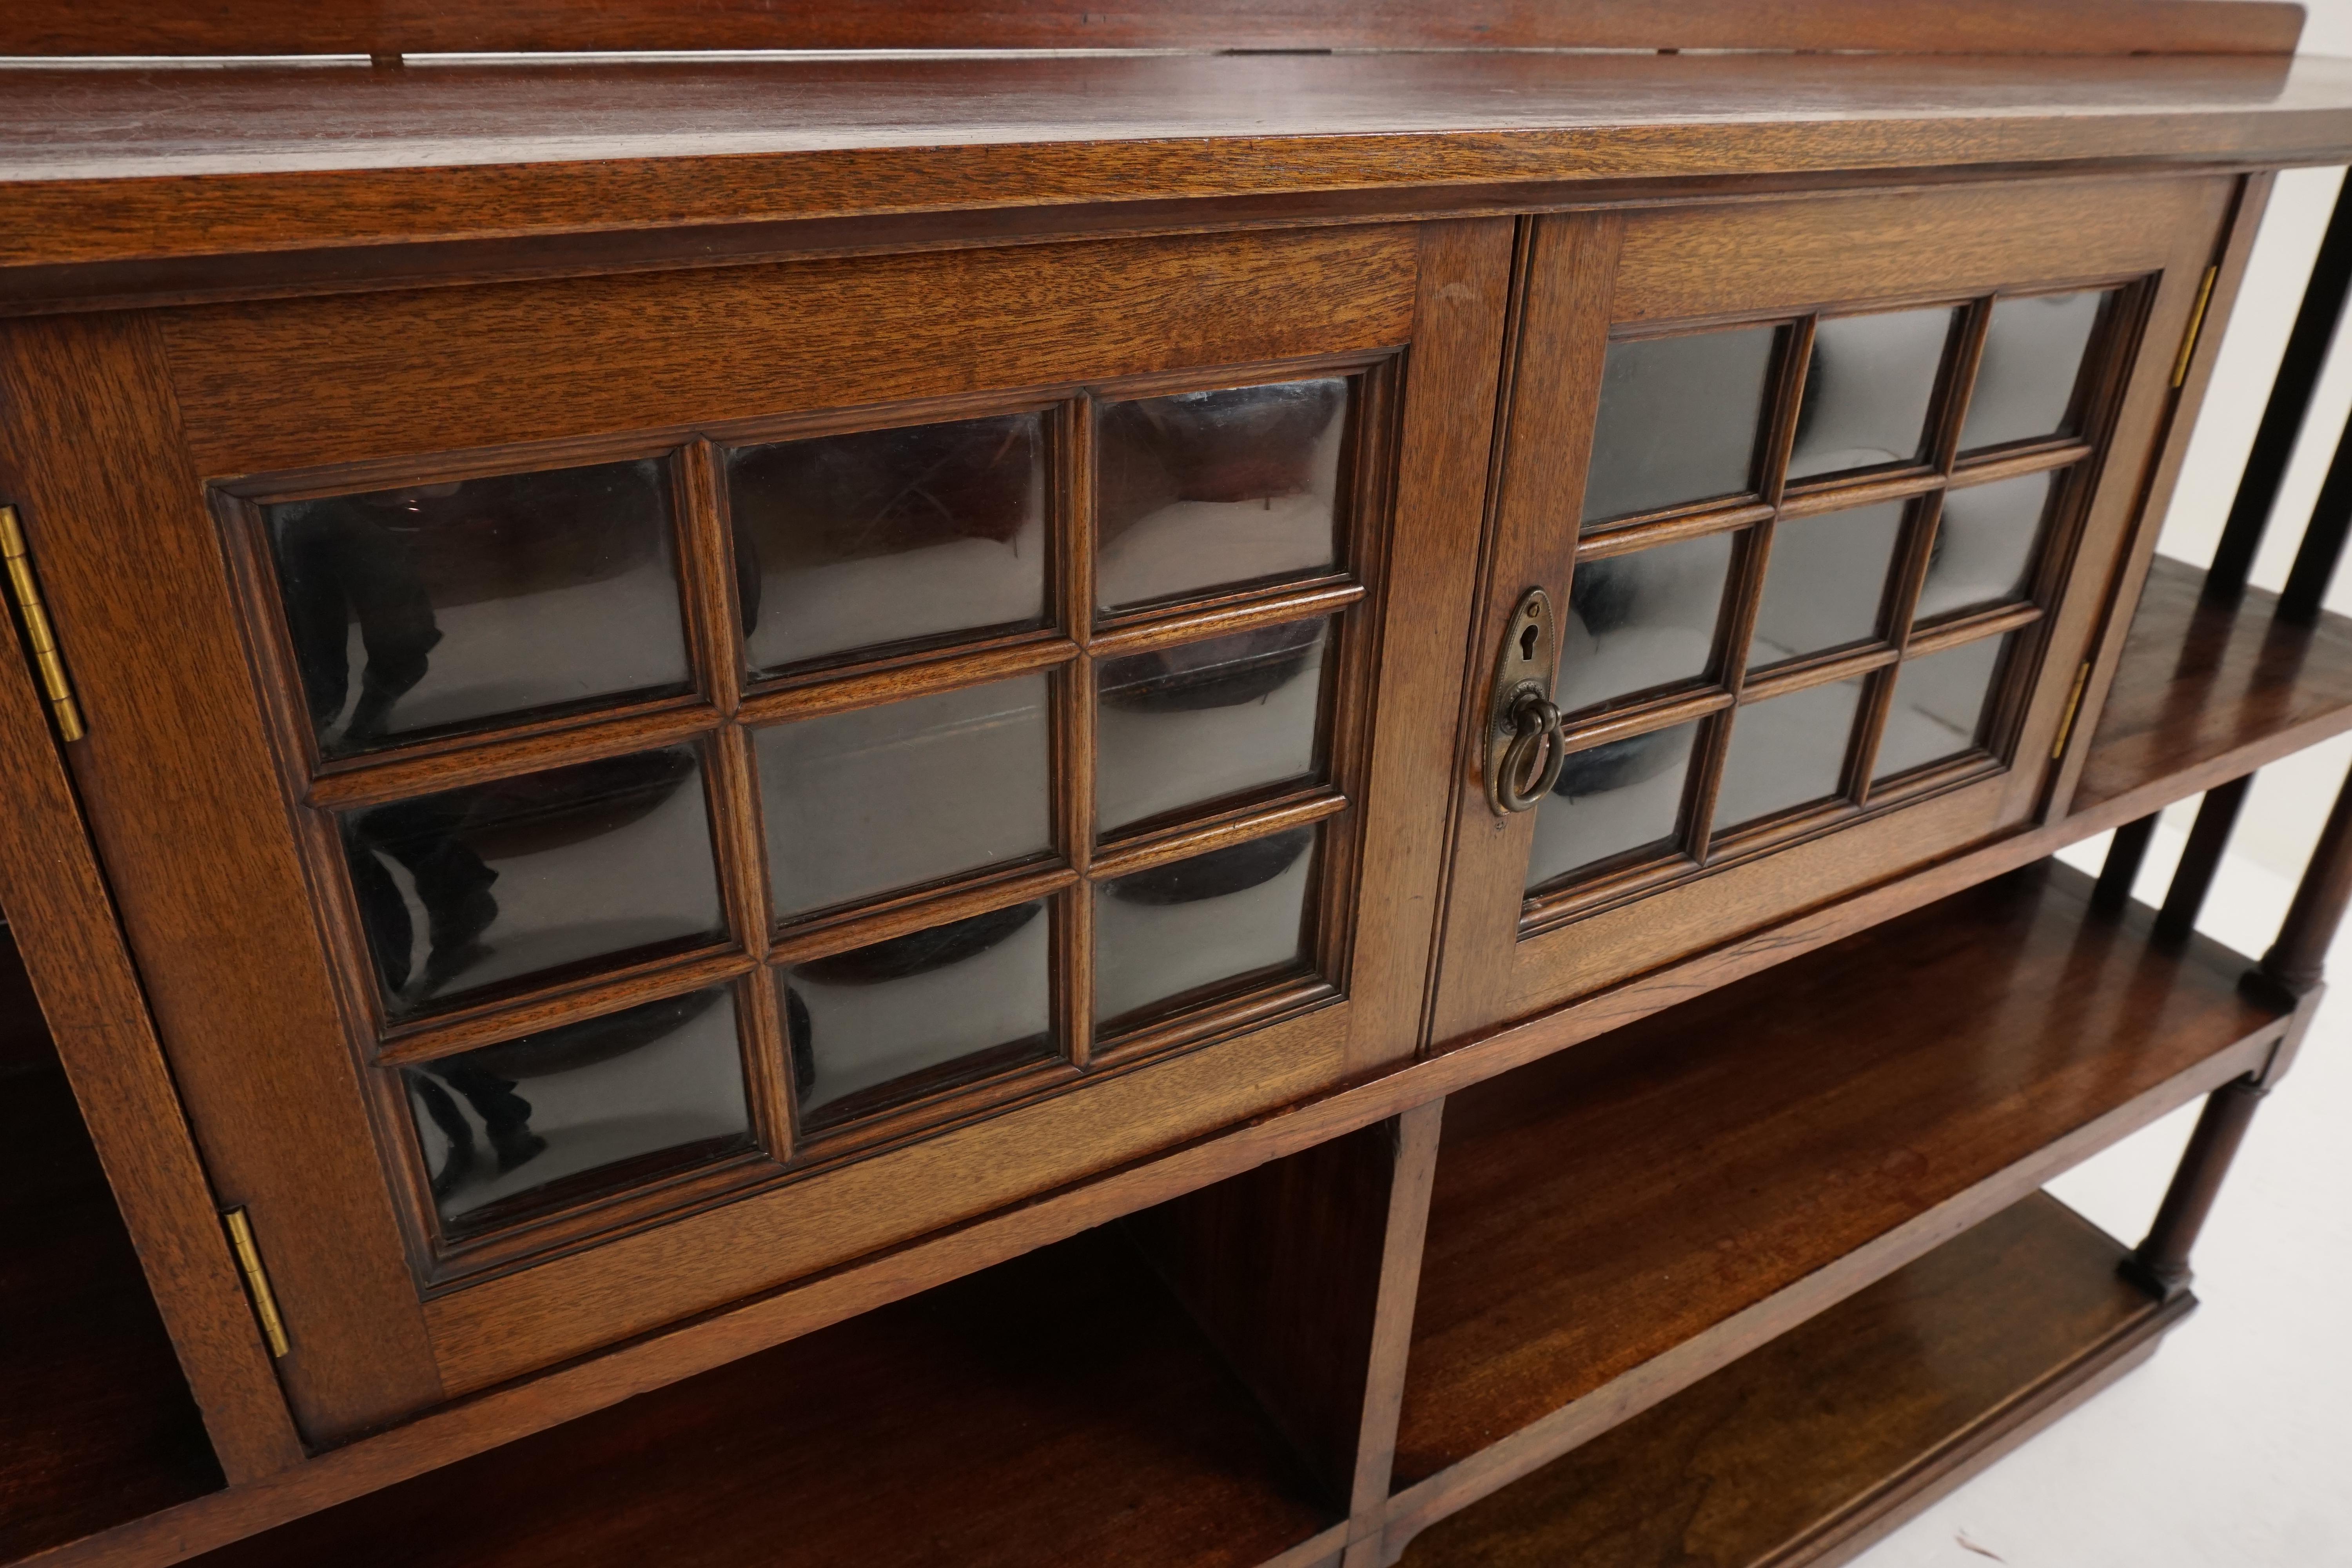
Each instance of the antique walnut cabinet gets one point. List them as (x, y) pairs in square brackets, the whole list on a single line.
[(1214, 784)]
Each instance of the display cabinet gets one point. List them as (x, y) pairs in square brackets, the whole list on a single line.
[(1243, 788)]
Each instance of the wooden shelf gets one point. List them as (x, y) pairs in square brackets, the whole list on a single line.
[(2206, 694), (1828, 1436), (1058, 1409), (1612, 1223), (100, 1428)]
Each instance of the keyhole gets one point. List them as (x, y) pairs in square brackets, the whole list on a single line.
[(1527, 642)]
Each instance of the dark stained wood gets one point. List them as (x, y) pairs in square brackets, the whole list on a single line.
[(2207, 693), (2120, 871), (1807, 1450), (1728, 1167), (413, 26), (1059, 1409), (137, 168), (99, 1427), (2161, 1261), (2297, 960), (2201, 858)]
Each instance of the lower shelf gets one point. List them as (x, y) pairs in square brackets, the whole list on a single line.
[(1814, 1445)]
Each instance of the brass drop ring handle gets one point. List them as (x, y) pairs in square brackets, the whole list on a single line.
[(1530, 764)]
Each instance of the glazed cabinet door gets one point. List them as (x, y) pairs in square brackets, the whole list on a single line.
[(627, 792), (1824, 499)]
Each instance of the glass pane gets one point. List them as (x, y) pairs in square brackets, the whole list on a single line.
[(443, 605), (1868, 389), (664, 1079), (1206, 488), (2033, 358), (1939, 705), (884, 1024), (489, 883), (1983, 552), (1642, 620), (1825, 580), (1787, 751), (1678, 420), (878, 798), (1183, 725), (1612, 799), (1213, 918), (876, 537)]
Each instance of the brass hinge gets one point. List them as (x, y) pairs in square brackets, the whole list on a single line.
[(2066, 720), (2196, 325), (46, 661), (256, 1281)]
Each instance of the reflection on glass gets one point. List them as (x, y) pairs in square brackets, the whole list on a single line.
[(1215, 918), (442, 605), (1939, 705), (1207, 489), (2032, 359), (1824, 582), (1786, 751), (1868, 390), (1612, 799), (882, 537), (1983, 552), (491, 882), (1183, 725), (1678, 420), (1642, 620), (878, 798), (901, 1018), (656, 1088)]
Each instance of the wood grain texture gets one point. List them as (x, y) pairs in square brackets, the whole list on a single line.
[(219, 920), (100, 1428), (2010, 27), (1057, 1410), (1805, 1449), (136, 167), (1619, 1200)]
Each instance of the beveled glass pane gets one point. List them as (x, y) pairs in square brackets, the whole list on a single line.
[(1787, 751), (1612, 799), (1983, 552), (1825, 582), (1184, 725), (1678, 420), (875, 799), (1939, 705), (489, 883), (1216, 917), (632, 1096), (1204, 490), (2033, 360), (885, 1024), (877, 538), (1643, 620), (1868, 390), (440, 606)]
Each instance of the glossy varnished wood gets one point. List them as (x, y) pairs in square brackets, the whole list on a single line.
[(1608, 1224), (1060, 1409), (2208, 692), (1811, 1448)]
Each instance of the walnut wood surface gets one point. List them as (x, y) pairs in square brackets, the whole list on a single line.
[(1609, 1203), (1059, 1409), (100, 1426), (2006, 26), (1790, 1454), (2209, 693), (139, 167)]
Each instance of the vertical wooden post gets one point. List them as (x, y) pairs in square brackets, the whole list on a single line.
[(2194, 877), (2160, 1263), (2295, 960), (2120, 871)]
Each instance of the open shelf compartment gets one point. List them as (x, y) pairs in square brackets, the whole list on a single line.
[(1609, 1225)]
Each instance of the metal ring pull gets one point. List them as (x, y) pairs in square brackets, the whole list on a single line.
[(1531, 762)]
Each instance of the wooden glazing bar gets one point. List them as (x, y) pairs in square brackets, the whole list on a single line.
[(652, 981), (2209, 839), (1952, 408), (2120, 871), (2290, 403), (1809, 496), (1816, 672), (915, 911), (503, 757), (2296, 961), (1971, 628), (1661, 713), (1197, 838), (1623, 537), (919, 675), (2161, 1261), (1276, 606)]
